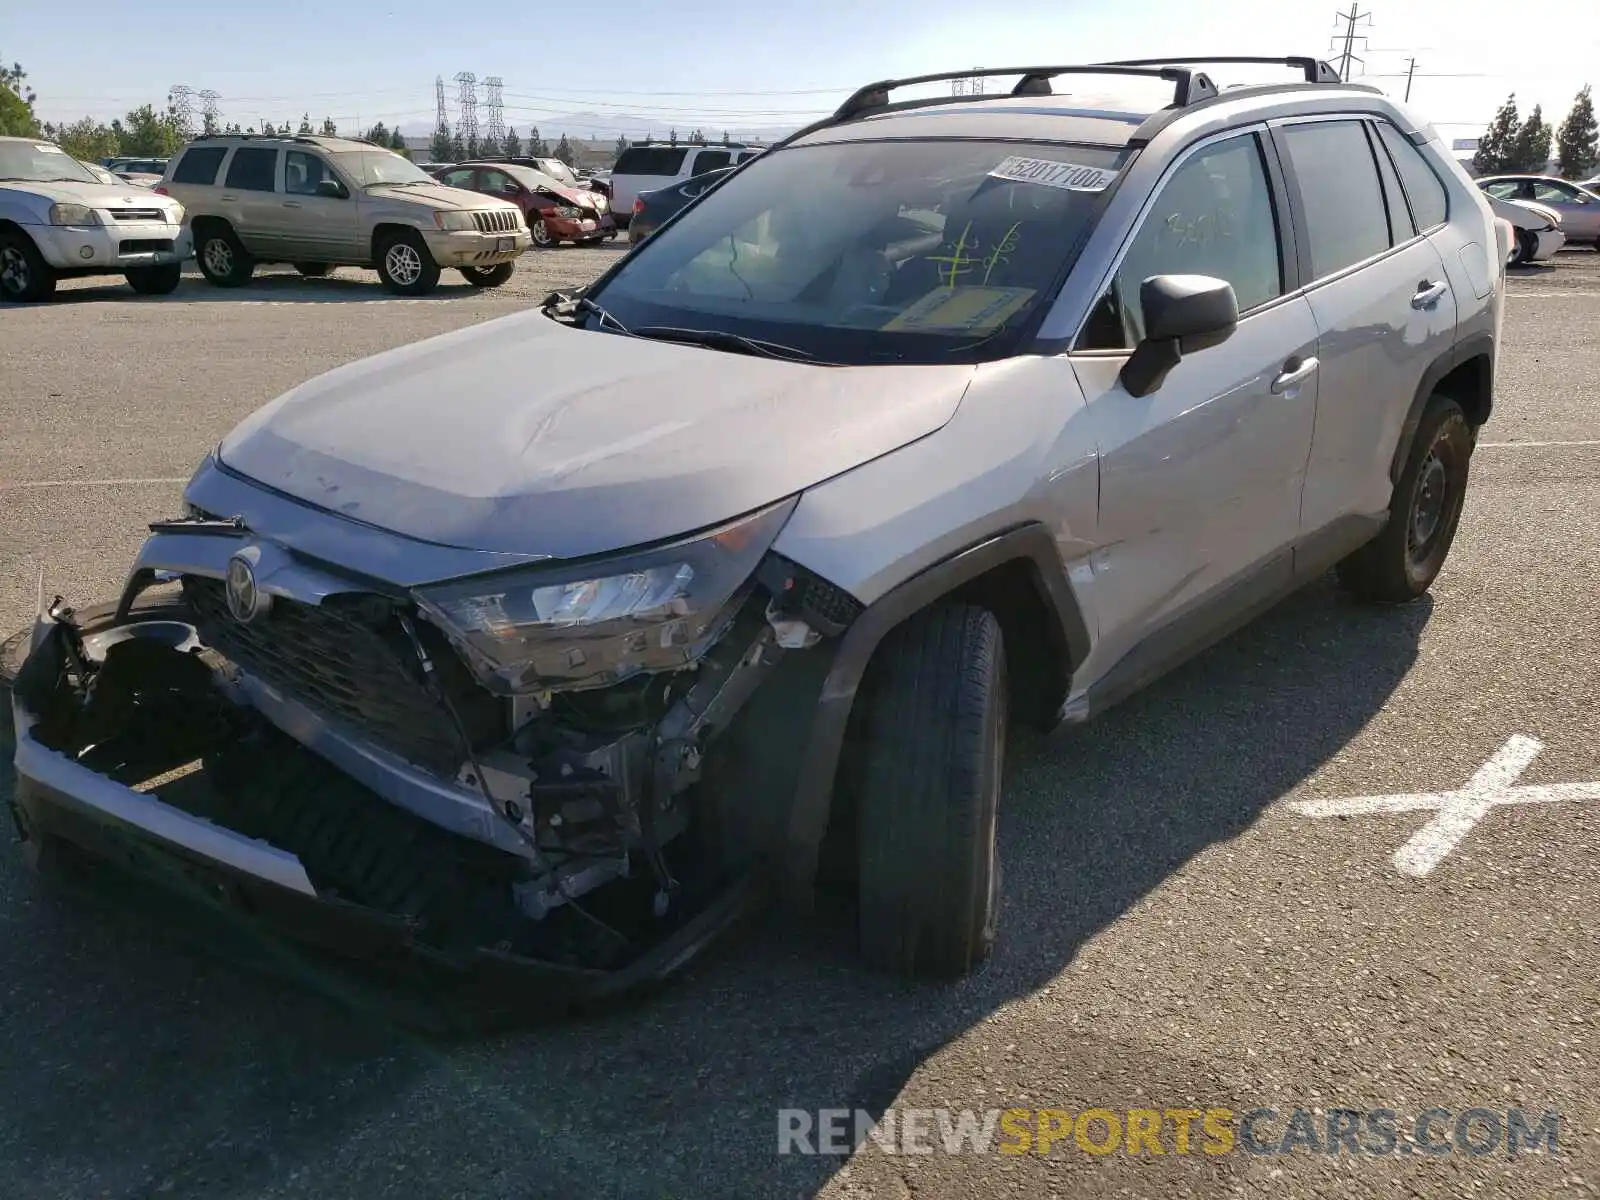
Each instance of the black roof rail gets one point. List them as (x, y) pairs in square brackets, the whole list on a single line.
[(1188, 86), (1314, 69)]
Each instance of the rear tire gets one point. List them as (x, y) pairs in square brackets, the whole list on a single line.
[(1527, 247), (313, 270), (155, 281), (1401, 563), (222, 257), (406, 265), (25, 277), (489, 277), (932, 729)]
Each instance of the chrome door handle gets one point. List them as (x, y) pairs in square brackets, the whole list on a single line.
[(1295, 374), (1427, 293), (231, 199), (291, 204)]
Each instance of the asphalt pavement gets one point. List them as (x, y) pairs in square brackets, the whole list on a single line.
[(1197, 914)]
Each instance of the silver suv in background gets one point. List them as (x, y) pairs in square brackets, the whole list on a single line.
[(551, 641), (646, 166), (324, 202)]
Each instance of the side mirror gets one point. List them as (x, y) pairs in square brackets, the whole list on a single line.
[(1183, 314), (332, 189)]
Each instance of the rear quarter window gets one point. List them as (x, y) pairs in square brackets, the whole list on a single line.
[(651, 160), (1430, 203), (710, 160), (199, 165)]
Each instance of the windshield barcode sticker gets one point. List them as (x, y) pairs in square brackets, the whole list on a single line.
[(1070, 177)]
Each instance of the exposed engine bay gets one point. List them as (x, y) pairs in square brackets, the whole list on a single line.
[(561, 825)]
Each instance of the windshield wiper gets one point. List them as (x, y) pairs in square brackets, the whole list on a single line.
[(721, 339), (572, 304)]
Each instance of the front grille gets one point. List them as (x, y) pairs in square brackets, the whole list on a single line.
[(349, 660), (145, 246), (497, 221), (137, 214)]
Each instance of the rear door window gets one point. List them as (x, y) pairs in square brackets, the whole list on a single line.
[(1394, 197), (1341, 197), (253, 169), (710, 160), (199, 165)]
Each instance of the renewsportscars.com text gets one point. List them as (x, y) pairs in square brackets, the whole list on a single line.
[(1375, 1132)]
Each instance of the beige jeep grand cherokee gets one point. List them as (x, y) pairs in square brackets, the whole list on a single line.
[(323, 202)]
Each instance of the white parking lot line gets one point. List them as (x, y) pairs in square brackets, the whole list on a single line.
[(29, 484)]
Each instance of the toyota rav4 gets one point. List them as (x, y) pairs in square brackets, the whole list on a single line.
[(549, 644)]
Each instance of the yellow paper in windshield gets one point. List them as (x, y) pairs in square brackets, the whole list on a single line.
[(965, 309)]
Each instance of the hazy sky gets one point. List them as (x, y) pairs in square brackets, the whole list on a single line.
[(731, 64)]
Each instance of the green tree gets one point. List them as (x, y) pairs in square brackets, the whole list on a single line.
[(208, 124), (329, 129), (564, 151), (145, 133), (378, 135), (622, 144), (1530, 149), (536, 146), (1578, 142), (697, 138), (473, 149), (305, 129), (512, 146), (725, 140), (17, 117), (1493, 155), (439, 149), (672, 137), (86, 138), (269, 129), (458, 147), (397, 142)]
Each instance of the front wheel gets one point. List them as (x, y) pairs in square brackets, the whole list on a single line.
[(155, 281), (933, 733), (222, 257), (24, 274), (406, 266), (1402, 562), (541, 234), (488, 277)]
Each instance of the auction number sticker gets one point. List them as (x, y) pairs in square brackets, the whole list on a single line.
[(967, 309), (1070, 177)]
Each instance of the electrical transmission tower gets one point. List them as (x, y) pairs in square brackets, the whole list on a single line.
[(467, 89), (1350, 20), (497, 112), (182, 100), (970, 86), (443, 122), (210, 116)]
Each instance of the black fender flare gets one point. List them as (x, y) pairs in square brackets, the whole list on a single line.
[(1476, 345), (813, 795)]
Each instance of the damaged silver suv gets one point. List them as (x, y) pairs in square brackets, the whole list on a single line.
[(545, 646)]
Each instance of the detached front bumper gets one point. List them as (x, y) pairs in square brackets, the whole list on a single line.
[(471, 249), (163, 778), (110, 248)]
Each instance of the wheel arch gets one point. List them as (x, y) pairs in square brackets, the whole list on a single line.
[(1018, 574), (383, 231), (1465, 373)]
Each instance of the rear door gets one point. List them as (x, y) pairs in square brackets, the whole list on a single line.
[(251, 202), (1200, 481)]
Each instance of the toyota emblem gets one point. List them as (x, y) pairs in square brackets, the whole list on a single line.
[(246, 600)]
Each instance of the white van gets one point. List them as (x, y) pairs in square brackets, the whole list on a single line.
[(648, 165)]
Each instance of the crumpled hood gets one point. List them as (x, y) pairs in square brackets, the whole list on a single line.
[(526, 436)]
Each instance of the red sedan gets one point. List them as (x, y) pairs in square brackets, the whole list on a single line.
[(556, 212)]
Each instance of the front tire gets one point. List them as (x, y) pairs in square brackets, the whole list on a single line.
[(25, 277), (489, 277), (1527, 247), (155, 281), (541, 234), (1401, 563), (222, 257), (406, 266), (933, 730)]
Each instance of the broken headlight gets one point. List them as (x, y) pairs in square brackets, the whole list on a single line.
[(594, 623)]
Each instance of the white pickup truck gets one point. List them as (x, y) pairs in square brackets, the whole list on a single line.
[(57, 220)]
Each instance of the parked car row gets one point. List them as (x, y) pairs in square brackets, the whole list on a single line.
[(237, 201), (1547, 213)]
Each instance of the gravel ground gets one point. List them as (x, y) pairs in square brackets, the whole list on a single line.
[(1176, 934)]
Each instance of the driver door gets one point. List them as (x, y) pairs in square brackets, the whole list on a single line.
[(1201, 481), (317, 227)]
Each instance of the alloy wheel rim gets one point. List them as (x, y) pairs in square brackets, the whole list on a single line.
[(541, 235), (13, 270), (219, 257), (403, 263)]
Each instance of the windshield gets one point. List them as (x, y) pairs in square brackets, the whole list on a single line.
[(857, 252), (557, 169), (536, 180), (40, 162), (368, 167)]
